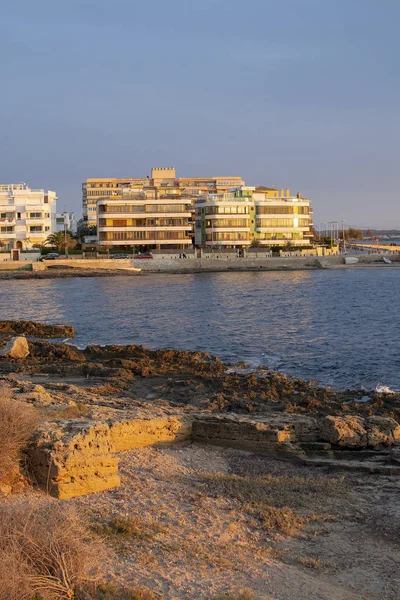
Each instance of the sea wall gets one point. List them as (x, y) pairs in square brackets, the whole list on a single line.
[(223, 262)]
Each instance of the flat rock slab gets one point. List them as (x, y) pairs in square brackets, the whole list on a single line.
[(41, 330)]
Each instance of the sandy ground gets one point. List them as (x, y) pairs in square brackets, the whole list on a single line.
[(190, 541)]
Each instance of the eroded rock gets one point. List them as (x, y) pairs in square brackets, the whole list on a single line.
[(73, 458), (348, 432), (277, 434), (359, 432), (33, 329), (17, 347), (382, 431)]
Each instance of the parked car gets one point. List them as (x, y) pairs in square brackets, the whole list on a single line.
[(51, 256), (144, 255), (121, 255)]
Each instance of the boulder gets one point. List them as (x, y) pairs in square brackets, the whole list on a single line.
[(17, 347), (348, 432), (382, 431)]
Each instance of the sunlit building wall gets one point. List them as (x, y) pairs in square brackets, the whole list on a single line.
[(27, 216)]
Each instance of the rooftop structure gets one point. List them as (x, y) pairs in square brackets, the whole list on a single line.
[(162, 182)]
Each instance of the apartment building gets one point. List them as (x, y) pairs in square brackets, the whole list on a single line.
[(137, 217), (27, 216), (162, 182), (66, 221), (252, 215)]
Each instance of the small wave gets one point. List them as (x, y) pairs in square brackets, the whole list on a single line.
[(385, 389)]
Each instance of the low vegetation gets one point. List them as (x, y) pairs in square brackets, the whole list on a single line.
[(17, 424), (128, 528), (279, 503), (46, 553)]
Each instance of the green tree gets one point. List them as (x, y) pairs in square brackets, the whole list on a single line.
[(59, 241)]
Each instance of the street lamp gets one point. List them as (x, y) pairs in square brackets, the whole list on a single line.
[(66, 223), (344, 237)]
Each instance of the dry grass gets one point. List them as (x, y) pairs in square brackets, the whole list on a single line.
[(46, 553), (242, 595), (311, 563), (17, 424), (283, 504), (129, 527), (109, 591)]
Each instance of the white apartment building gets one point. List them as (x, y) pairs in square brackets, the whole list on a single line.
[(27, 216), (65, 220)]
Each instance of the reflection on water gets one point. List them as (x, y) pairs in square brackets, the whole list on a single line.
[(340, 327)]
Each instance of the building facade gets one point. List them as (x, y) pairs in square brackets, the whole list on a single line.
[(27, 216), (162, 181), (138, 218), (248, 216), (66, 221)]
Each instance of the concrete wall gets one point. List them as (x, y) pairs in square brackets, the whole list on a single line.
[(170, 264), (24, 256)]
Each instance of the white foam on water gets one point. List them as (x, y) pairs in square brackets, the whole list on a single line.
[(385, 389)]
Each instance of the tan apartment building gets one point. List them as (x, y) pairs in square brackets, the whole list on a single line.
[(249, 215), (138, 218), (162, 182)]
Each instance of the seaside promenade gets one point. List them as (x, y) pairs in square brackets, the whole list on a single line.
[(191, 264)]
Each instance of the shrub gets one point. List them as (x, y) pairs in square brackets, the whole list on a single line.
[(17, 424), (46, 552)]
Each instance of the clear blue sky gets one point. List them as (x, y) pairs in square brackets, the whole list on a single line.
[(294, 93)]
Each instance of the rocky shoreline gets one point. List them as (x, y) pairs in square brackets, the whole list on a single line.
[(152, 396), (204, 467)]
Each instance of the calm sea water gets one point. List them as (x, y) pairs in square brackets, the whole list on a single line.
[(340, 327)]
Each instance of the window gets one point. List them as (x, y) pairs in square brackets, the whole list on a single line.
[(47, 228), (36, 228), (35, 215)]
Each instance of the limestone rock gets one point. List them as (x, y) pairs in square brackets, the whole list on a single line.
[(273, 434), (17, 347), (5, 489), (35, 394), (357, 432), (136, 433), (349, 431), (382, 431), (74, 458)]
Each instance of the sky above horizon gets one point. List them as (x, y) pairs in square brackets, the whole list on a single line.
[(298, 93)]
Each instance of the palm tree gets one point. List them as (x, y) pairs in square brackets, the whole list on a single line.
[(60, 240)]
